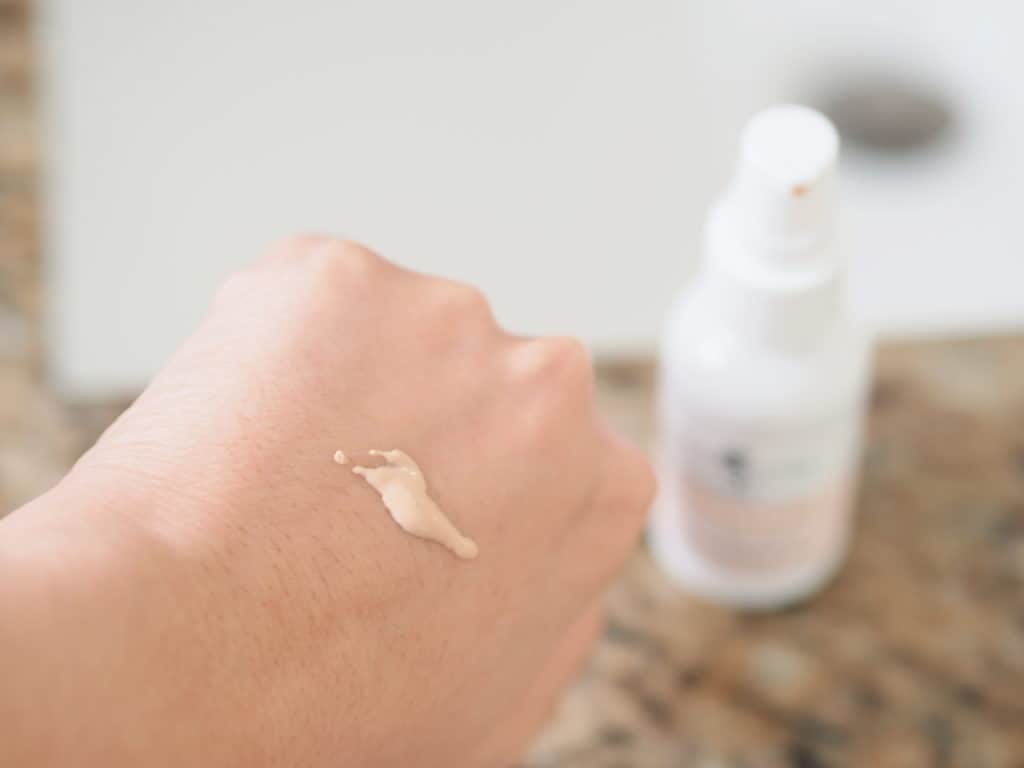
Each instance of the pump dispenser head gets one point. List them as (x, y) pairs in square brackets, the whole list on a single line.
[(783, 198)]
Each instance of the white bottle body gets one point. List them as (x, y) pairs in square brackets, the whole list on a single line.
[(761, 405), (764, 380)]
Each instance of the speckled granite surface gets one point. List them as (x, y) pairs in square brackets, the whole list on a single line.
[(914, 657)]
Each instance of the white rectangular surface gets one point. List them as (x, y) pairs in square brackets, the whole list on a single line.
[(560, 154)]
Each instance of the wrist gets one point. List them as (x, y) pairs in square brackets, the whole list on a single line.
[(84, 594), (121, 638), (65, 559)]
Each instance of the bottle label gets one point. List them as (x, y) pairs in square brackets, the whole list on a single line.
[(760, 499)]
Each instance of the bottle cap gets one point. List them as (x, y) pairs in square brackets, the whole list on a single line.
[(783, 198)]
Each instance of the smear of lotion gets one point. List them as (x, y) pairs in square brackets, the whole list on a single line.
[(340, 457), (403, 490)]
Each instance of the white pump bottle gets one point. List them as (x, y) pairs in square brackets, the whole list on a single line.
[(763, 382)]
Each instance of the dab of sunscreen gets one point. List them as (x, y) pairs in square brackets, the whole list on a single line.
[(403, 489), (340, 457)]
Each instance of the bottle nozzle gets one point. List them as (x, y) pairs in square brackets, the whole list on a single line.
[(783, 194)]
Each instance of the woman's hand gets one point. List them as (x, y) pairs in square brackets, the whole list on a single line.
[(257, 605)]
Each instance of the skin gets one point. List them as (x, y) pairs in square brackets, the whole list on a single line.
[(206, 587)]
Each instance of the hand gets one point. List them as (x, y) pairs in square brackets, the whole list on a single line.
[(291, 621)]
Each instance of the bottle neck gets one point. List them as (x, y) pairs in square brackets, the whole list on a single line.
[(788, 300)]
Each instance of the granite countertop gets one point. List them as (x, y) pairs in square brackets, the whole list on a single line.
[(914, 656)]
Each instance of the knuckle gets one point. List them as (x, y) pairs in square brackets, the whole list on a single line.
[(341, 261), (289, 250), (555, 378), (565, 362), (464, 299), (544, 357), (295, 243), (572, 353), (311, 268), (333, 270)]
